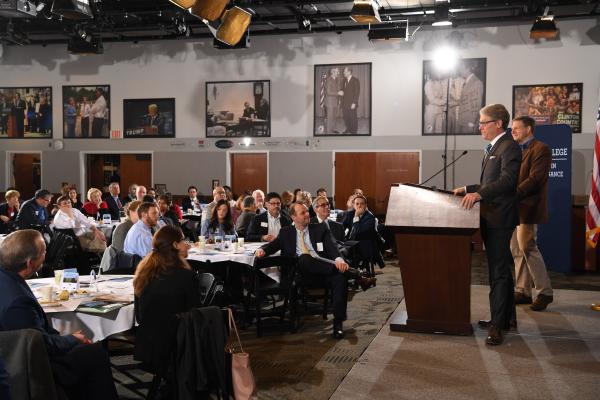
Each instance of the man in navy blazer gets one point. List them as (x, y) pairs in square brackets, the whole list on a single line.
[(497, 193), (318, 257), (34, 211), (114, 203), (80, 367)]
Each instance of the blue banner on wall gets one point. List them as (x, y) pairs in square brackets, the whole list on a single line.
[(554, 238)]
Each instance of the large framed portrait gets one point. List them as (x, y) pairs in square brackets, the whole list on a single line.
[(26, 112), (238, 109), (148, 118), (559, 103), (454, 96), (342, 100), (86, 112)]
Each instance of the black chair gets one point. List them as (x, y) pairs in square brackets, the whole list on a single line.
[(126, 264), (56, 249), (211, 290), (277, 296), (76, 256), (313, 294)]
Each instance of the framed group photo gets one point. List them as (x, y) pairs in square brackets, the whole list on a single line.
[(559, 103), (26, 112), (86, 112), (149, 118), (238, 109), (342, 100), (452, 99)]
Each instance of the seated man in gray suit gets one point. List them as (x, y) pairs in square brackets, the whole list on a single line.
[(321, 207)]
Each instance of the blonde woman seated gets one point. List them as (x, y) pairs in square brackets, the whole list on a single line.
[(221, 222), (164, 285), (67, 217), (95, 207)]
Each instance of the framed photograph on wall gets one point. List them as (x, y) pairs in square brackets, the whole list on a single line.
[(148, 118), (238, 109), (215, 183), (558, 103), (342, 99), (86, 112), (26, 112), (455, 95)]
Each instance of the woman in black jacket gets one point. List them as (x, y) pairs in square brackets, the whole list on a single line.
[(9, 211), (164, 286)]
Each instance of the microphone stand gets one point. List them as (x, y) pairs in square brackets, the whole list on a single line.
[(444, 168)]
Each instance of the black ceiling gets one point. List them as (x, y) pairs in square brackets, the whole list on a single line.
[(136, 20)]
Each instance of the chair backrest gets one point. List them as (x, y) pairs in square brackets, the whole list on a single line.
[(210, 289), (59, 244), (126, 263)]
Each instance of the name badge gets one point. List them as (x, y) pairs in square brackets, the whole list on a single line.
[(264, 224), (37, 212), (320, 246)]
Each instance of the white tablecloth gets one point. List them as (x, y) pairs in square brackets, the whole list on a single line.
[(94, 326), (245, 256)]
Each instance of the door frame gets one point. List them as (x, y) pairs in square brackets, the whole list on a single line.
[(83, 169), (8, 165), (228, 164), (420, 151)]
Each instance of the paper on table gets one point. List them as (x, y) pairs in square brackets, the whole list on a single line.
[(62, 306)]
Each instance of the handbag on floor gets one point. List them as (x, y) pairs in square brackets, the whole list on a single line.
[(244, 386), (89, 242)]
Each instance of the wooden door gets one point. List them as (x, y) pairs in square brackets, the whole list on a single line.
[(26, 174), (248, 172), (373, 172), (95, 173), (135, 168)]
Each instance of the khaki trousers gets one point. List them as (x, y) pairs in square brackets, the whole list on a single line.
[(530, 269)]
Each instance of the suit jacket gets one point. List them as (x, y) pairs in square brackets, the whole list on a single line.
[(6, 227), (20, 310), (113, 208), (533, 183), (336, 229), (286, 242), (351, 92), (28, 216), (365, 232), (243, 222), (186, 203), (498, 187), (469, 105), (256, 230)]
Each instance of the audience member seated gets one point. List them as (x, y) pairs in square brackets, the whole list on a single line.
[(74, 197), (140, 193), (167, 215), (221, 223), (33, 213), (139, 238), (296, 191), (218, 194), (321, 205), (259, 197), (9, 211), (131, 195), (265, 227), (235, 211), (151, 193), (81, 368), (349, 207), (309, 241), (67, 217), (164, 286), (246, 217), (95, 207), (192, 202), (120, 232), (175, 207), (114, 202), (306, 199), (361, 225), (287, 198)]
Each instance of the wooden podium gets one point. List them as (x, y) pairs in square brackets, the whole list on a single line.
[(433, 240)]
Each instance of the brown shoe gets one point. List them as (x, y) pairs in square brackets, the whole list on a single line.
[(486, 323), (541, 302), (520, 298), (494, 337), (366, 282)]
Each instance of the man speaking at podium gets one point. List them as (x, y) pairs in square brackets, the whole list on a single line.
[(497, 192)]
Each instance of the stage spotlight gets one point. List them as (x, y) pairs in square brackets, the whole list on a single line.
[(445, 59), (365, 12), (442, 15), (544, 27), (235, 23), (72, 9), (185, 4), (210, 10)]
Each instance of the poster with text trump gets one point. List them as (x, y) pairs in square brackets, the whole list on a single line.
[(86, 112), (149, 118), (559, 103), (452, 96), (26, 112), (342, 99)]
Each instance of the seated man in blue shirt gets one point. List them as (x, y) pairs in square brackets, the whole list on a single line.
[(33, 212), (139, 238), (80, 367)]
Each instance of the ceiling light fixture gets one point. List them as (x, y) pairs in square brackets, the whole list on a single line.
[(185, 4), (442, 15), (365, 12), (210, 10), (544, 27)]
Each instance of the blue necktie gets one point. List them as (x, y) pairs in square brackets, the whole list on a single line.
[(488, 148)]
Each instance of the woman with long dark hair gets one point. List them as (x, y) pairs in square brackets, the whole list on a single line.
[(164, 285), (221, 221)]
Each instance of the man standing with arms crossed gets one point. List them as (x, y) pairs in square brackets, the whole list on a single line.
[(497, 192), (532, 192)]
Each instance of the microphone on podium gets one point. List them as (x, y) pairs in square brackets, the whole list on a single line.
[(445, 167)]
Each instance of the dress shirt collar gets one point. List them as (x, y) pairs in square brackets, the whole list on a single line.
[(495, 140), (526, 144), (272, 218)]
